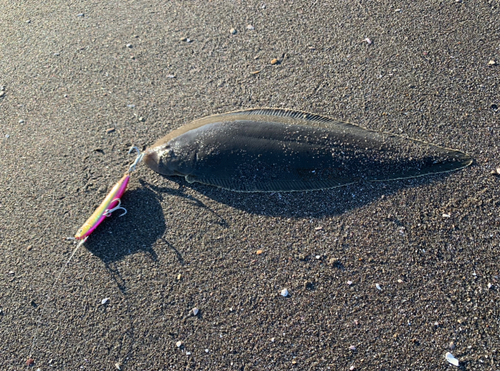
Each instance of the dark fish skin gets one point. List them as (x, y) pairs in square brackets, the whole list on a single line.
[(270, 150)]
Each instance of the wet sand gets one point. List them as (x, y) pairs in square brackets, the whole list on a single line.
[(380, 276)]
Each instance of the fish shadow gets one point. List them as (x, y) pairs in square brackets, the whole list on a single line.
[(135, 232), (309, 204)]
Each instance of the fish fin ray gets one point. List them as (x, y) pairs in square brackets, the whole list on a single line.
[(273, 185)]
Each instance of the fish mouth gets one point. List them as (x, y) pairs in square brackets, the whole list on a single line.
[(151, 159)]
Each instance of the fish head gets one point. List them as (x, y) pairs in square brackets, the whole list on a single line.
[(161, 159)]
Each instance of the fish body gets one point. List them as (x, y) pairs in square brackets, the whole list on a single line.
[(269, 150)]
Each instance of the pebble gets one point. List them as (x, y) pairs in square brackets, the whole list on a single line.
[(285, 293), (131, 105), (118, 365), (195, 311), (30, 362), (80, 15), (258, 252), (349, 283), (233, 31), (142, 119), (178, 344), (492, 63), (334, 261), (496, 171), (368, 41), (7, 136), (110, 130), (105, 301), (250, 27), (2, 87), (21, 121), (378, 287), (206, 350), (275, 61), (129, 46), (352, 347), (28, 21), (451, 359), (2, 93)]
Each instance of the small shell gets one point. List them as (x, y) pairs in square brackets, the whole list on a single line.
[(452, 360), (285, 293)]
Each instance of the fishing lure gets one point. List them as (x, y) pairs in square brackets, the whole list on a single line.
[(272, 150), (111, 203)]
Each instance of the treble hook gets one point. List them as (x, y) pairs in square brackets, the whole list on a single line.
[(137, 160), (108, 212)]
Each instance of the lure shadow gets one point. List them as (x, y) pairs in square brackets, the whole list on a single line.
[(136, 231), (308, 204)]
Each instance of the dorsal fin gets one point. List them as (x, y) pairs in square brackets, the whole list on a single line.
[(276, 115), (286, 113)]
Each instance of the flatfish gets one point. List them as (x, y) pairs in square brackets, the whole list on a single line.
[(270, 150)]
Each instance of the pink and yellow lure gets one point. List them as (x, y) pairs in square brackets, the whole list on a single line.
[(111, 203)]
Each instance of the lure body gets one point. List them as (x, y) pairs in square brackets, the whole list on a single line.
[(104, 210), (281, 150)]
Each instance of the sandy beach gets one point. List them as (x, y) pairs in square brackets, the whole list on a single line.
[(380, 276)]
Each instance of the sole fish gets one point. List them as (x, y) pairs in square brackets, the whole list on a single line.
[(270, 150)]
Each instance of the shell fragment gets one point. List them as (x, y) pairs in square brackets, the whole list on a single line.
[(451, 359)]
